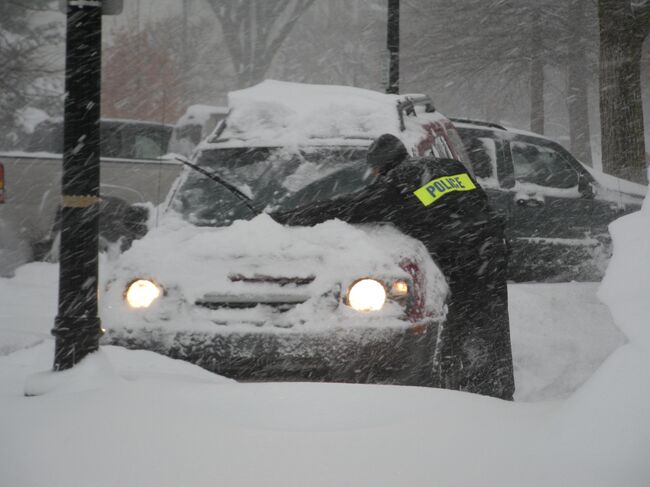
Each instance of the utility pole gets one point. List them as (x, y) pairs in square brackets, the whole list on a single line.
[(392, 41), (77, 326)]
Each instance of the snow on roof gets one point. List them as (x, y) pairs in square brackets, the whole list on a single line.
[(289, 114), (295, 111), (612, 183)]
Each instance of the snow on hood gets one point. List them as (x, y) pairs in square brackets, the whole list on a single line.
[(616, 189), (190, 262)]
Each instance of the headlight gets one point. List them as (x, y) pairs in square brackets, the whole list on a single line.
[(399, 289), (367, 295), (141, 293)]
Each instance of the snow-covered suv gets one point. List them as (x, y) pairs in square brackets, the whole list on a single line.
[(556, 208), (219, 283)]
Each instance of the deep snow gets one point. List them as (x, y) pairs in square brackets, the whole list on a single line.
[(134, 418)]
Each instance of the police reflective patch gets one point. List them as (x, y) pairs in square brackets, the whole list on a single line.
[(437, 188)]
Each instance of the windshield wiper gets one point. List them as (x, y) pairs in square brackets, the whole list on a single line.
[(218, 179)]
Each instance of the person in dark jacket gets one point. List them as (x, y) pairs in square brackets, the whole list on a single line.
[(438, 202)]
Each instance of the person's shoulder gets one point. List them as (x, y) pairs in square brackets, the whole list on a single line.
[(406, 174), (444, 165)]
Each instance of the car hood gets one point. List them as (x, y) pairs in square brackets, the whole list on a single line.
[(617, 190), (261, 260)]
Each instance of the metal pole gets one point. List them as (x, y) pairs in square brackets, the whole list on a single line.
[(393, 47), (77, 326)]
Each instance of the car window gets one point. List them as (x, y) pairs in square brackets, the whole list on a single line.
[(442, 147), (458, 145), (146, 147), (133, 141), (436, 146), (345, 181), (111, 144), (482, 152), (541, 165)]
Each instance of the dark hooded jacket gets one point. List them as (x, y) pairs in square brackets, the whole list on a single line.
[(457, 213), (438, 202)]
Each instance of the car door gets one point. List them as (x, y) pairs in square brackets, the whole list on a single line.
[(551, 219), (547, 202), (490, 160)]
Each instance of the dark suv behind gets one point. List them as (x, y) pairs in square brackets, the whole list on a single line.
[(557, 209)]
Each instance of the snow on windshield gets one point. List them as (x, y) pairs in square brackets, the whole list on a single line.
[(270, 176)]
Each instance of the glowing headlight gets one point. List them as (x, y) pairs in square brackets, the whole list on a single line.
[(141, 293), (367, 295), (399, 288)]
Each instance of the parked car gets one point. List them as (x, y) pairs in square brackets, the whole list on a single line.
[(222, 285), (557, 209), (193, 126), (132, 171)]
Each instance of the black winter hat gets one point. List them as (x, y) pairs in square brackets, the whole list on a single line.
[(386, 152)]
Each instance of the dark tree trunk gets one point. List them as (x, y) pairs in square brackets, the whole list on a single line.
[(621, 112), (536, 77), (578, 86)]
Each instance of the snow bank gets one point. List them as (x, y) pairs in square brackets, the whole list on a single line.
[(626, 287), (142, 430), (561, 333), (27, 306)]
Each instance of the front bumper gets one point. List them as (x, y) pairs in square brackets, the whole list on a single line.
[(402, 355)]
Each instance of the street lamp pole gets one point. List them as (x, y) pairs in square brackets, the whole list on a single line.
[(77, 326), (392, 41)]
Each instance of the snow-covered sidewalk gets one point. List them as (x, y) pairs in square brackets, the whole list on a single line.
[(133, 418)]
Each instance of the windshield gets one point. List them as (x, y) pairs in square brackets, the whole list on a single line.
[(274, 178)]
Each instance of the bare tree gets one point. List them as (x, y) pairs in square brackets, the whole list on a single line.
[(506, 50), (579, 62), (486, 42), (336, 42), (254, 30), (141, 79), (25, 70), (624, 25)]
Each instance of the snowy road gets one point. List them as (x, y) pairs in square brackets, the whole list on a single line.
[(134, 418), (560, 332)]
